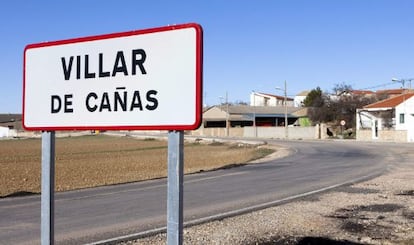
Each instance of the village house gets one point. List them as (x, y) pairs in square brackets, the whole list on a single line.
[(263, 99), (10, 124), (391, 119)]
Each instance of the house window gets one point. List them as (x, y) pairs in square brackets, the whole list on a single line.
[(266, 101), (402, 118)]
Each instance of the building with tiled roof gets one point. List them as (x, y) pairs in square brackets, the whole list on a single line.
[(257, 121), (356, 92), (390, 92), (391, 119), (10, 124), (11, 121), (362, 92), (264, 99), (241, 116), (390, 102), (300, 97)]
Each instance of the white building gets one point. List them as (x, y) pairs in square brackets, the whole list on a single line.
[(4, 132), (299, 98), (262, 99), (391, 119)]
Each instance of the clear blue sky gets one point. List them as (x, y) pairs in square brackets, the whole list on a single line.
[(248, 45)]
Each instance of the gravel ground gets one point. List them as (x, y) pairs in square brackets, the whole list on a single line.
[(378, 211)]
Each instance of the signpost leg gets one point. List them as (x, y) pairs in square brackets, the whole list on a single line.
[(48, 188), (175, 187)]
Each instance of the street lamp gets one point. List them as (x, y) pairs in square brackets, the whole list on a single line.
[(285, 101), (402, 81)]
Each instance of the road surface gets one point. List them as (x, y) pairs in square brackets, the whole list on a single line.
[(91, 215)]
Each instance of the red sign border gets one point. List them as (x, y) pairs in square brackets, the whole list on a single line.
[(199, 78)]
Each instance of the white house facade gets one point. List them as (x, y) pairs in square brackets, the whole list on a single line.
[(299, 98), (263, 99), (387, 120)]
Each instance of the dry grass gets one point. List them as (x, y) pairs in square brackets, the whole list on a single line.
[(90, 161)]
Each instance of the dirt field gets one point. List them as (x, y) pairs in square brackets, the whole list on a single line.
[(98, 160)]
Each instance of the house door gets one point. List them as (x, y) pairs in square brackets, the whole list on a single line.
[(410, 135), (410, 128), (375, 129)]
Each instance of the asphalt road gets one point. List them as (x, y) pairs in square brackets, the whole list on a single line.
[(91, 215)]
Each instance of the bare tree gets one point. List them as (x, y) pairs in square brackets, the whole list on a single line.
[(323, 109)]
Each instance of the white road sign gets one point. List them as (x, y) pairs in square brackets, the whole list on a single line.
[(146, 79)]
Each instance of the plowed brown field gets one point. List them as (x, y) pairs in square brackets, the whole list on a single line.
[(90, 161)]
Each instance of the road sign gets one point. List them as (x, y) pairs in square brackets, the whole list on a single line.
[(145, 79), (343, 122)]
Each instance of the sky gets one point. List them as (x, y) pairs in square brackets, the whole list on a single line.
[(248, 45)]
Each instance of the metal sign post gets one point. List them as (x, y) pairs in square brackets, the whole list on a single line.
[(175, 187), (48, 188)]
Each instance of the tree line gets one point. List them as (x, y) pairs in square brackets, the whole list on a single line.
[(341, 105)]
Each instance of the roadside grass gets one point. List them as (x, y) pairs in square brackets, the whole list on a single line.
[(91, 161)]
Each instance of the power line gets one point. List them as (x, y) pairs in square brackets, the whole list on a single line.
[(378, 86)]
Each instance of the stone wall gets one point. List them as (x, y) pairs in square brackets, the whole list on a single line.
[(364, 135), (217, 132), (383, 135), (261, 132)]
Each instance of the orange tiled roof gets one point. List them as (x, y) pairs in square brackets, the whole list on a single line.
[(391, 91), (390, 102), (361, 92)]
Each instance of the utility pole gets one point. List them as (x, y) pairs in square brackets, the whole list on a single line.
[(285, 102), (227, 111), (286, 119), (402, 81), (254, 114), (227, 115)]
